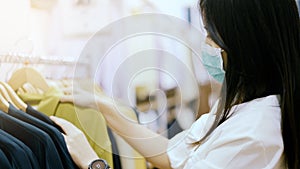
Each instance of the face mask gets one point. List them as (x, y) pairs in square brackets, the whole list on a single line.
[(213, 62)]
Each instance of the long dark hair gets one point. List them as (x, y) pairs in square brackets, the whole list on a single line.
[(262, 42)]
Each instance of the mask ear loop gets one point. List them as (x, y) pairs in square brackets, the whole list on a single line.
[(222, 62)]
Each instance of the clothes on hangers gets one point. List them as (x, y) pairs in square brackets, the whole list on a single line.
[(15, 154), (37, 140), (4, 162), (55, 135), (38, 145), (116, 158), (91, 122), (128, 156), (32, 157), (30, 110)]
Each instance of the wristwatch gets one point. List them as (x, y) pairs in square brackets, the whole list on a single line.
[(98, 164)]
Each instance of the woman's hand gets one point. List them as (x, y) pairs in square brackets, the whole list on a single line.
[(80, 97), (78, 146), (94, 99)]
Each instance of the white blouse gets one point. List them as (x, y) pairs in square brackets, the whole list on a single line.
[(250, 139)]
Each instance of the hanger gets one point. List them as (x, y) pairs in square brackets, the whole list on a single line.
[(14, 97), (4, 105), (20, 91), (5, 95), (28, 75), (29, 88)]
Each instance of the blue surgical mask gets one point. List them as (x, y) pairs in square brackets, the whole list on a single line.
[(213, 62)]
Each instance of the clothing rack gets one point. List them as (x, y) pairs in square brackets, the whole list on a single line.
[(52, 67), (30, 59)]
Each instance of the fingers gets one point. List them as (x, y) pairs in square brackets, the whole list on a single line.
[(67, 98), (68, 127), (72, 90), (67, 90)]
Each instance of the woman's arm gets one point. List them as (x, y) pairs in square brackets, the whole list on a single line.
[(150, 145)]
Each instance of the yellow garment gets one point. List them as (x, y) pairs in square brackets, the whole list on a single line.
[(89, 121), (92, 124)]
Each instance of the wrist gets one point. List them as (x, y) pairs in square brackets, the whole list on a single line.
[(86, 162)]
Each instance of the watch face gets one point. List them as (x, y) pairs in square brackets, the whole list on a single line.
[(99, 164)]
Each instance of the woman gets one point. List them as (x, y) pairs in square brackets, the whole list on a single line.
[(255, 122)]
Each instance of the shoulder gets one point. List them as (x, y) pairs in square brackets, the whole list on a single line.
[(250, 137), (259, 119)]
